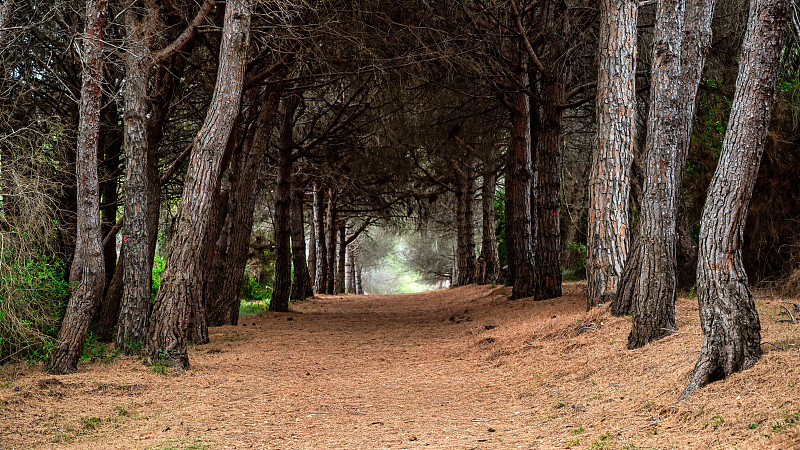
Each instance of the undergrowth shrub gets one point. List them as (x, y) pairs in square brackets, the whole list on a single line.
[(33, 286)]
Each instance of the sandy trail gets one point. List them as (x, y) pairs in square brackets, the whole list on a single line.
[(460, 368)]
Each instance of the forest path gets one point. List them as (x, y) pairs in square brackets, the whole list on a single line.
[(457, 368)]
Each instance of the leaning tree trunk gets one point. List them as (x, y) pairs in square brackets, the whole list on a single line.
[(166, 337), (465, 245), (548, 167), (649, 281), (491, 261), (728, 316), (234, 237), (609, 184), (321, 279), (519, 238), (88, 269)]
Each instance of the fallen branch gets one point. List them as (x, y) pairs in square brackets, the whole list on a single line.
[(790, 315)]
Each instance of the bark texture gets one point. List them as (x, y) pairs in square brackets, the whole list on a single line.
[(321, 278), (465, 242), (548, 207), (728, 316), (649, 282), (301, 284), (341, 256), (518, 191), (166, 338), (609, 185), (283, 198), (88, 267)]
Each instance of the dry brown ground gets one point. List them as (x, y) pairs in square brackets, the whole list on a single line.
[(460, 368)]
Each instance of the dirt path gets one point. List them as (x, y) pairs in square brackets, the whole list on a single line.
[(460, 368)]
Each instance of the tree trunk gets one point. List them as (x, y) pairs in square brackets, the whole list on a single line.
[(108, 187), (283, 251), (301, 286), (350, 270), (330, 227), (728, 316), (490, 260), (321, 279), (340, 269), (180, 280), (88, 269), (465, 248), (109, 309), (311, 262), (234, 237), (519, 237), (609, 185), (359, 285), (649, 284), (548, 168), (138, 267)]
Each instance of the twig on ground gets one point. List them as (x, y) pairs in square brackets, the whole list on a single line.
[(790, 315), (485, 420)]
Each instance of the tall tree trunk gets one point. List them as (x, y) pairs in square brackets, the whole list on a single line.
[(180, 280), (88, 269), (311, 262), (609, 185), (137, 270), (283, 252), (491, 261), (649, 283), (359, 284), (465, 248), (340, 269), (350, 270), (728, 316), (321, 279), (519, 237), (109, 197), (331, 228), (548, 168), (234, 237), (301, 284)]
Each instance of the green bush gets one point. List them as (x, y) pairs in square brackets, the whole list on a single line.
[(158, 269)]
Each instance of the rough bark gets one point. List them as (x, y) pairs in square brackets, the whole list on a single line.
[(88, 269), (491, 261), (465, 240), (350, 270), (234, 237), (311, 262), (609, 185), (137, 270), (519, 237), (166, 337), (728, 316), (649, 284), (548, 207)]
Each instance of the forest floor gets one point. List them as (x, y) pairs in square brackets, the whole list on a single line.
[(459, 368)]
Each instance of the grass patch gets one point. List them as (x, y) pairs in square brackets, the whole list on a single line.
[(90, 423), (253, 307)]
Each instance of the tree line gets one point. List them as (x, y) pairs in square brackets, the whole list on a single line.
[(155, 126)]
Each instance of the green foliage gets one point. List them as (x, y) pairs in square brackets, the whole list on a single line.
[(32, 303), (252, 291), (94, 350), (579, 430), (90, 423), (158, 269), (251, 308), (578, 270)]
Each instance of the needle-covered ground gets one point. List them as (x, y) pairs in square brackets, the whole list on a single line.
[(460, 368)]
